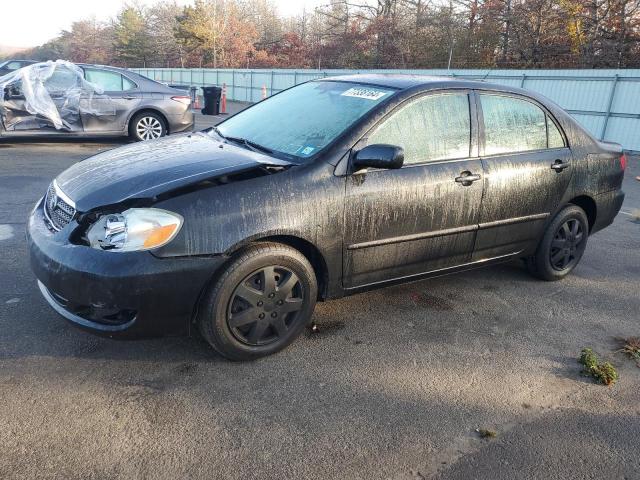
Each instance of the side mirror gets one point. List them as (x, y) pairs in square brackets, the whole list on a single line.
[(379, 156)]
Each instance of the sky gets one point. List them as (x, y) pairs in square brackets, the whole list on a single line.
[(41, 20)]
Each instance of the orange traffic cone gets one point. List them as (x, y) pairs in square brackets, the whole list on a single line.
[(264, 92), (223, 100)]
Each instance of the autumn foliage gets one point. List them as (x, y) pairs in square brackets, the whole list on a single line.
[(361, 34)]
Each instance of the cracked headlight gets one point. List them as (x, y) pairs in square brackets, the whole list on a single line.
[(135, 229)]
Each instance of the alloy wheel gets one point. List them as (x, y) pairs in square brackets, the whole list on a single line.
[(149, 128), (566, 246), (265, 306)]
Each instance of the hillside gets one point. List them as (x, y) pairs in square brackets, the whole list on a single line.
[(6, 50)]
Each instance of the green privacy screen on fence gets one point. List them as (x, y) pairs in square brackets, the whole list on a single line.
[(605, 102)]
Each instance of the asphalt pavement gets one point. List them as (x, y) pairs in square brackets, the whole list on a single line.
[(394, 385)]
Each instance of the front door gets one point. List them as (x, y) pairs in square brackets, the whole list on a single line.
[(49, 103), (423, 216), (527, 171)]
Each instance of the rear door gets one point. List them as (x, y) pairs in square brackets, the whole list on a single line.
[(421, 217), (527, 166), (110, 111)]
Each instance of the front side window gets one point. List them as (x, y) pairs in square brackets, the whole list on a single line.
[(512, 125), (434, 127), (106, 80), (62, 81), (301, 121)]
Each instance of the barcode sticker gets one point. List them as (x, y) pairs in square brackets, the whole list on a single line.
[(363, 92)]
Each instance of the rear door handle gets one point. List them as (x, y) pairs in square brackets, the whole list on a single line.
[(559, 165), (466, 178), (129, 97)]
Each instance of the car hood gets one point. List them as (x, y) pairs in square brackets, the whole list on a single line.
[(147, 169)]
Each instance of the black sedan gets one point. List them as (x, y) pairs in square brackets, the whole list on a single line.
[(330, 188), (13, 65)]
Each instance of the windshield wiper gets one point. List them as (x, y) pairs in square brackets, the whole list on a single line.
[(256, 147), (218, 132)]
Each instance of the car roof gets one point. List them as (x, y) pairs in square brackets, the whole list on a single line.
[(102, 67), (405, 81)]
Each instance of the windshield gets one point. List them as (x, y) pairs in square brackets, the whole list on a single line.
[(303, 120)]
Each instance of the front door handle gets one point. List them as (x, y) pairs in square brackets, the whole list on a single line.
[(129, 97), (559, 165), (466, 178)]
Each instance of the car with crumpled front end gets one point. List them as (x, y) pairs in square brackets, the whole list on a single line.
[(330, 188)]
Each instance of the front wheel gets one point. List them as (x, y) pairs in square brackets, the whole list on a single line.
[(260, 303), (147, 126), (562, 245)]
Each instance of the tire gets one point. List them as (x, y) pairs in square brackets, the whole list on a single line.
[(243, 316), (562, 245), (147, 126)]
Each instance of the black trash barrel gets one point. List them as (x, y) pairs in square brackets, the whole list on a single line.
[(211, 100)]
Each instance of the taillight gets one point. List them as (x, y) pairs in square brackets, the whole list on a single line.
[(184, 99), (623, 161)]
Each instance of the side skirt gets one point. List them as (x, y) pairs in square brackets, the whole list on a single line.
[(434, 273)]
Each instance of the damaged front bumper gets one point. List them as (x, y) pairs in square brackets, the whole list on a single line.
[(125, 295)]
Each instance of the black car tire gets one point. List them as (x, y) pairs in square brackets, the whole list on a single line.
[(248, 272), (561, 249), (147, 126)]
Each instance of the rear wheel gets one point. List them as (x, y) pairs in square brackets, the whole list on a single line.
[(260, 303), (147, 126), (562, 245)]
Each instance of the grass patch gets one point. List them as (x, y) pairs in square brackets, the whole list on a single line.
[(604, 373), (631, 347)]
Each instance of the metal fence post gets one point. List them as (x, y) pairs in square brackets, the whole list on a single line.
[(233, 84), (250, 87), (612, 95), (524, 77)]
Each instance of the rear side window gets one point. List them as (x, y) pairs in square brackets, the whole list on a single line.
[(434, 127), (556, 140), (108, 81), (127, 84), (512, 125)]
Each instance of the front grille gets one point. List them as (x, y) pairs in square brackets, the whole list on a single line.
[(58, 211)]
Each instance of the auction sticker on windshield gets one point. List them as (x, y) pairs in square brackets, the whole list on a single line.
[(364, 92)]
